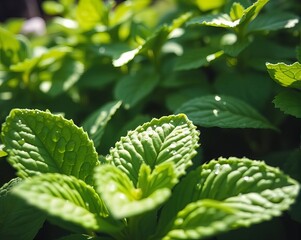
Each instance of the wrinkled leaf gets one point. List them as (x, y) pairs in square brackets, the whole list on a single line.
[(251, 190), (224, 112), (286, 75), (40, 142), (289, 102), (120, 195), (66, 198), (168, 139)]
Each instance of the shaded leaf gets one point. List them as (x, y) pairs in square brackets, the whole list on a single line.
[(65, 77), (196, 58), (95, 124), (168, 139), (40, 142), (134, 87), (17, 219), (224, 112), (289, 102), (286, 75), (273, 21)]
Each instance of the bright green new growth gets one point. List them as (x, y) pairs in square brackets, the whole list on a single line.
[(40, 142), (145, 178)]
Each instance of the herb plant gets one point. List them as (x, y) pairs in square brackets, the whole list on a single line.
[(140, 190), (231, 67)]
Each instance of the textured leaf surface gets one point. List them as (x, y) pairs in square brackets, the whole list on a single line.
[(224, 112), (168, 139), (254, 191), (286, 75), (225, 21), (95, 124), (40, 142), (201, 219), (134, 87), (121, 196), (65, 197), (17, 219), (289, 102)]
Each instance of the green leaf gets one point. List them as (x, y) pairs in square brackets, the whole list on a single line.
[(254, 191), (168, 139), (65, 77), (52, 7), (224, 112), (17, 219), (237, 11), (90, 13), (40, 142), (273, 21), (84, 237), (120, 195), (134, 87), (154, 43), (215, 20), (252, 88), (225, 21), (289, 102), (2, 153), (286, 75), (67, 198), (196, 58), (201, 219), (205, 5), (95, 124), (13, 49), (163, 176)]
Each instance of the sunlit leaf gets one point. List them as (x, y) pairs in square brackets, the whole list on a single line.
[(66, 198), (120, 195), (245, 192), (286, 75), (40, 142), (168, 139), (205, 5)]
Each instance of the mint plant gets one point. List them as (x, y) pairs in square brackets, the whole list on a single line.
[(144, 188)]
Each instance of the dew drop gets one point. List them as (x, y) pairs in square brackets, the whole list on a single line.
[(248, 178), (21, 141), (215, 112), (70, 146), (217, 98), (173, 152), (55, 136), (217, 169), (173, 145)]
